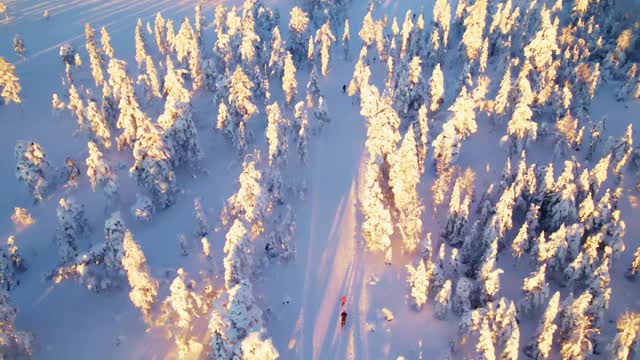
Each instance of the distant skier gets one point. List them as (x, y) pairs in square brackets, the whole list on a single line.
[(343, 314), (344, 89)]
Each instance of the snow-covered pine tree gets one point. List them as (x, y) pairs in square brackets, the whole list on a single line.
[(95, 58), (56, 103), (183, 40), (417, 42), (15, 344), (489, 275), (406, 32), (105, 41), (32, 168), (443, 300), (368, 31), (576, 328), (254, 347), (73, 226), (298, 33), (114, 232), (144, 289), (181, 136), (173, 86), (19, 264), (67, 52), (346, 38), (289, 82), (108, 105), (159, 30), (624, 343), (325, 38), (171, 36), (559, 202), (276, 134), (596, 130), (535, 289), (302, 136), (198, 21), (421, 130), (281, 241), (446, 148), (132, 120), (474, 23), (251, 200), (278, 54), (98, 123), (463, 118), (152, 74), (179, 312), (152, 169), (241, 109), (361, 74), (621, 150), (502, 103), (321, 113), (567, 135), (201, 229), (442, 20), (461, 300), (76, 106), (436, 88), (418, 279), (8, 279), (101, 174), (313, 88), (241, 311), (377, 226), (458, 215), (542, 47), (484, 347), (632, 271), (143, 208), (520, 243), (521, 130), (540, 346), (141, 45), (18, 46), (511, 348)]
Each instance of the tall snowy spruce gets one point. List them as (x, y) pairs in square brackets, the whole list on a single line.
[(418, 280), (14, 344), (152, 169), (241, 109), (144, 290), (404, 177), (73, 227), (180, 135), (9, 82), (101, 174), (298, 33), (250, 202), (33, 168)]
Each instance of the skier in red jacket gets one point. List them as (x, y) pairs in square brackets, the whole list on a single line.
[(343, 314)]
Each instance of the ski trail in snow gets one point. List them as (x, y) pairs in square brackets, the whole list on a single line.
[(355, 291), (344, 277), (335, 261)]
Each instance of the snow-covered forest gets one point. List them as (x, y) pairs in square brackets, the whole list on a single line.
[(320, 179)]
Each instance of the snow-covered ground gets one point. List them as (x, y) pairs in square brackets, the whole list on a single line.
[(300, 299)]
